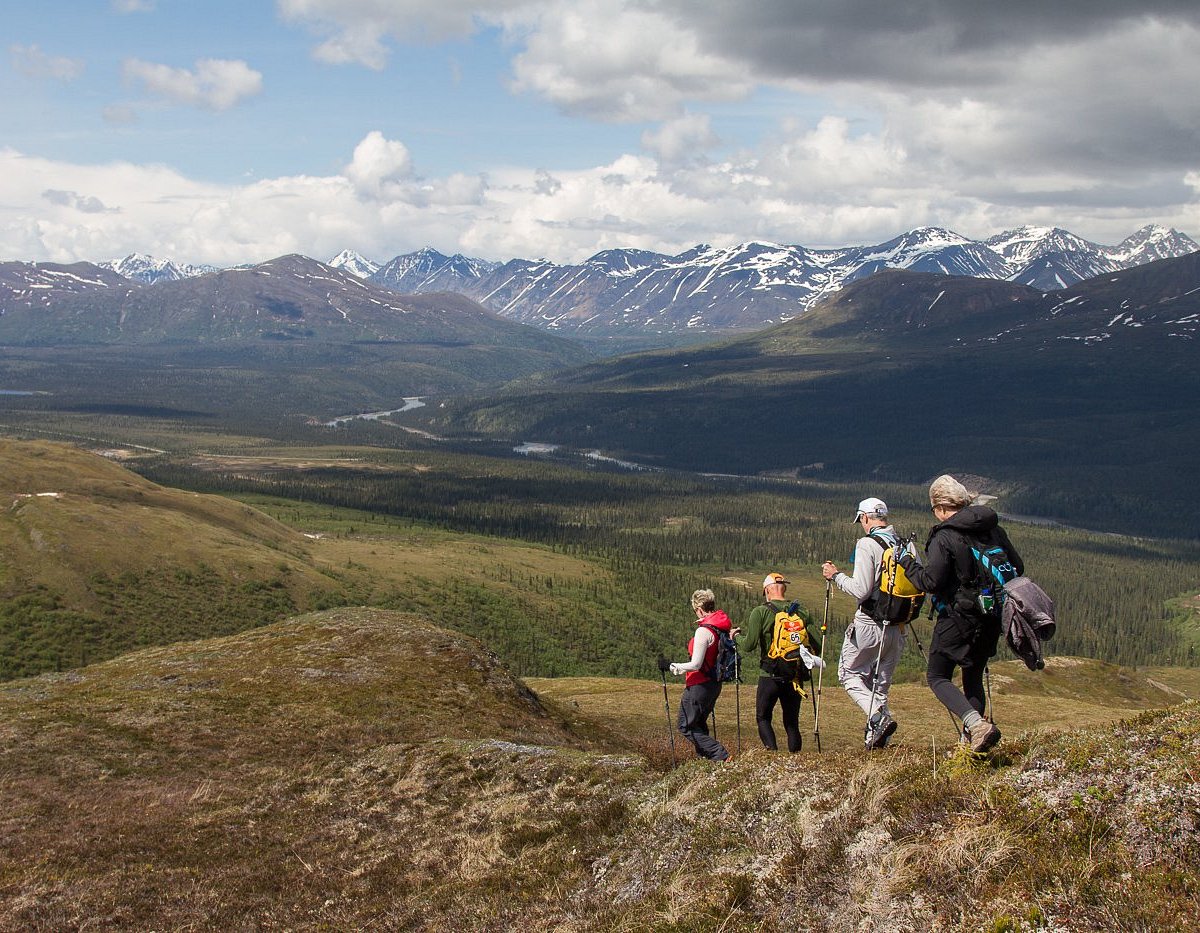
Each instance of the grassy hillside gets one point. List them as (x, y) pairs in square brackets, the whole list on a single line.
[(95, 561), (640, 544), (561, 570), (359, 769)]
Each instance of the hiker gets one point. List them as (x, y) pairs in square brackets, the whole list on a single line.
[(871, 650), (701, 690), (964, 635), (775, 684)]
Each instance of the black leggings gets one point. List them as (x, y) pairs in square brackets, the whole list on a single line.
[(960, 702), (771, 691)]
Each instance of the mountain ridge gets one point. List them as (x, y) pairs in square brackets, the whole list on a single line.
[(756, 284), (647, 295), (989, 378)]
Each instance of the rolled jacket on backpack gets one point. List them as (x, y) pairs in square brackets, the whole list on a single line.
[(1027, 619)]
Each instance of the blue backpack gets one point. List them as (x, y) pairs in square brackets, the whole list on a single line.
[(728, 664), (994, 570)]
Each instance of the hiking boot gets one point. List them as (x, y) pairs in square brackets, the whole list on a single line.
[(879, 730), (984, 735)]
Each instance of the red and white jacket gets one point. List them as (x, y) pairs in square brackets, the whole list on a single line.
[(703, 649)]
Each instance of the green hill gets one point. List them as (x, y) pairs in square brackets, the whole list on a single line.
[(95, 560), (358, 769)]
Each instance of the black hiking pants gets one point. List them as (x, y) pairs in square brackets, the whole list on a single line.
[(694, 709), (967, 643), (972, 696), (770, 692)]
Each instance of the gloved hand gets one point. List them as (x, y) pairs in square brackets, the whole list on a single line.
[(677, 669), (663, 664)]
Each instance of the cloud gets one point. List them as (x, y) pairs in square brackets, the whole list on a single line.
[(922, 42), (32, 62), (215, 84), (684, 139), (825, 183), (133, 6), (79, 202), (379, 166), (614, 60), (356, 30)]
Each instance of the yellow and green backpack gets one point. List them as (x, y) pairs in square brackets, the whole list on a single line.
[(789, 633), (895, 600)]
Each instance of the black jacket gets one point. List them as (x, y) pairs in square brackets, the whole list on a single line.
[(950, 575)]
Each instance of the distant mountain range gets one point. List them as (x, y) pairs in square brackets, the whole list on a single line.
[(292, 337), (1078, 402), (752, 285), (636, 293), (142, 268)]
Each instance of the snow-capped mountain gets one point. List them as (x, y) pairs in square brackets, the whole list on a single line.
[(39, 284), (142, 268), (755, 284), (427, 270), (706, 288), (1150, 243), (926, 249), (354, 263), (1021, 246)]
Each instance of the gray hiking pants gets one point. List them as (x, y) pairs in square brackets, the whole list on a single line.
[(694, 709), (857, 664)]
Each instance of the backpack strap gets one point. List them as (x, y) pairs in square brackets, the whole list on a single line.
[(882, 539), (716, 634)]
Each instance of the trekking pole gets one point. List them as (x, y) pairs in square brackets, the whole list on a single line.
[(737, 699), (987, 679), (667, 707), (875, 676), (821, 672), (917, 641)]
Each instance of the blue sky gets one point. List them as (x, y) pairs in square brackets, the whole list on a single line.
[(231, 132)]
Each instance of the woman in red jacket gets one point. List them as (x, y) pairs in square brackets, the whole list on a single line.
[(701, 690)]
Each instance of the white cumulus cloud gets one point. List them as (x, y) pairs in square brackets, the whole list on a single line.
[(614, 60), (683, 139), (214, 84), (379, 166), (32, 62)]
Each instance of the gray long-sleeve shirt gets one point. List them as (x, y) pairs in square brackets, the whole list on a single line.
[(868, 557)]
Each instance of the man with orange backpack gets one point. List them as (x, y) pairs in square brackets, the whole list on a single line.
[(787, 645)]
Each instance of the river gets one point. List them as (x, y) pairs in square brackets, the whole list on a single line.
[(416, 401)]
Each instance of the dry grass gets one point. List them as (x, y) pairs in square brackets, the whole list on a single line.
[(358, 769)]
